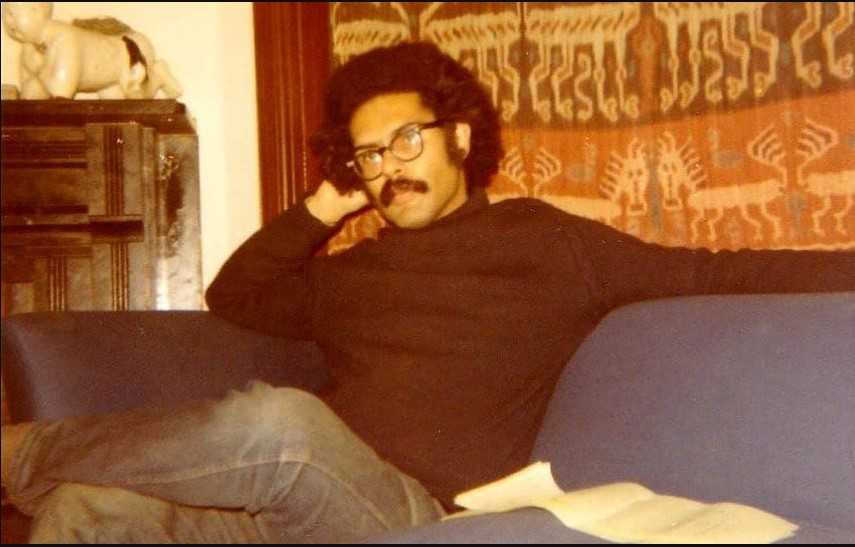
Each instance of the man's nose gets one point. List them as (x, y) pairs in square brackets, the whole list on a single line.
[(392, 166)]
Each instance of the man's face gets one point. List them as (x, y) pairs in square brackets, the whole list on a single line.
[(414, 193)]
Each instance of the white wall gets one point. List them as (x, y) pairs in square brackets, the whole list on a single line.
[(209, 48)]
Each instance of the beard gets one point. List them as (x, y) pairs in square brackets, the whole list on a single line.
[(396, 186)]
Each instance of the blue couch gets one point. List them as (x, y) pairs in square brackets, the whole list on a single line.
[(722, 398), (725, 398)]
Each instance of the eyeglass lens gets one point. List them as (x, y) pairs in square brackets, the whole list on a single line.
[(406, 145)]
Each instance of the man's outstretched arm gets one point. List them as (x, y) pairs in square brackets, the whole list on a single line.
[(628, 269)]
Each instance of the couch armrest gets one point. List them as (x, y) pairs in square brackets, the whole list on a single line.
[(61, 364), (745, 398)]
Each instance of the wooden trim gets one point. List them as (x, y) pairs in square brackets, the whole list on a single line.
[(165, 115), (292, 59)]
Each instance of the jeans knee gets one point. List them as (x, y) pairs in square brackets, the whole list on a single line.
[(261, 406), (278, 423)]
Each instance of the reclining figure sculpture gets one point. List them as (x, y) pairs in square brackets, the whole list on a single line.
[(102, 56)]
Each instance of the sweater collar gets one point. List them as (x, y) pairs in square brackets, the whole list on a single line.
[(476, 202)]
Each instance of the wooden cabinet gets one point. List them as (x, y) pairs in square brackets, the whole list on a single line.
[(100, 206)]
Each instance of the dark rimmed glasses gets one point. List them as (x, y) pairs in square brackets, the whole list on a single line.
[(406, 144)]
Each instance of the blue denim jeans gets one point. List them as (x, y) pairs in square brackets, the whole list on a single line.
[(266, 464)]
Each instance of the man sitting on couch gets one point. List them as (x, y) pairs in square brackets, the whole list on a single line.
[(445, 337)]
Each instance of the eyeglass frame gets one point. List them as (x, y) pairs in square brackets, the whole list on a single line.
[(381, 150)]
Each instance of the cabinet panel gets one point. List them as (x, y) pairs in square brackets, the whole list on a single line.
[(100, 206)]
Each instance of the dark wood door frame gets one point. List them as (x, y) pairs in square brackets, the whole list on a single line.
[(292, 59)]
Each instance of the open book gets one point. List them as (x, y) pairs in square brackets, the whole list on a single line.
[(626, 512)]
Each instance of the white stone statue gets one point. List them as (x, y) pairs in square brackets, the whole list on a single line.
[(102, 56)]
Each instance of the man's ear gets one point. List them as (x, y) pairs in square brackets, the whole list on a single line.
[(462, 137)]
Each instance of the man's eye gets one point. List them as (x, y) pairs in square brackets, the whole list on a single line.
[(367, 158), (408, 139)]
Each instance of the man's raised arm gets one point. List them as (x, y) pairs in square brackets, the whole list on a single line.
[(265, 285)]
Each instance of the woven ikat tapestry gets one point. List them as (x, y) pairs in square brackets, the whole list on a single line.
[(702, 124)]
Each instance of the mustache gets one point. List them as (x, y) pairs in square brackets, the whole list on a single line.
[(394, 186)]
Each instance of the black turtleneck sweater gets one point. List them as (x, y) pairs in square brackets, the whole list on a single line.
[(445, 342)]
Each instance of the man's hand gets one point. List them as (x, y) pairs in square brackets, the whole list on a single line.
[(329, 206)]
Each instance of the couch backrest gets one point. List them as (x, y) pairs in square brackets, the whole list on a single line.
[(61, 364), (740, 398)]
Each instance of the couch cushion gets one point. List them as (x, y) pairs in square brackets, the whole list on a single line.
[(538, 526), (521, 526), (723, 398)]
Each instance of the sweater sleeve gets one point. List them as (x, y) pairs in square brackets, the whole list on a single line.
[(265, 284), (625, 269)]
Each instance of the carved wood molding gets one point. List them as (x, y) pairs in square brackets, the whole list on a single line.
[(292, 52)]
